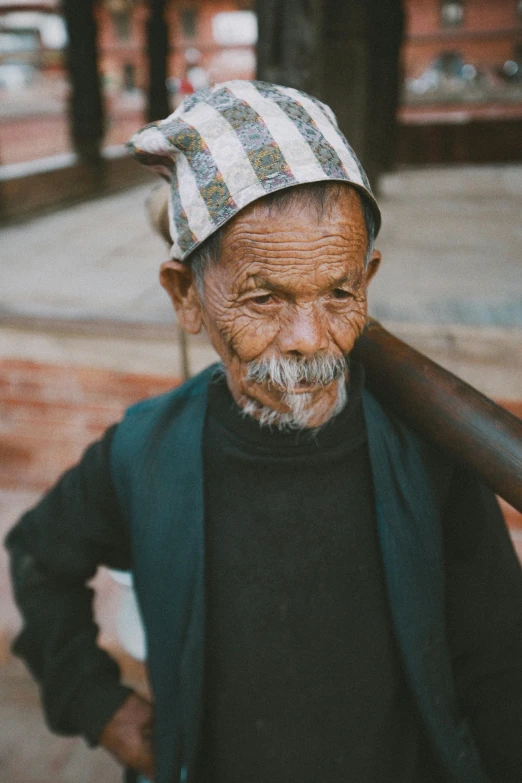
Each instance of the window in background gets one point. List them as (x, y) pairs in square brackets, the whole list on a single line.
[(235, 28), (235, 33), (189, 22), (452, 12), (129, 77), (450, 64), (122, 63), (122, 25)]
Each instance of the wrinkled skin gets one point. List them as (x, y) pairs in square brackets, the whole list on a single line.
[(289, 283)]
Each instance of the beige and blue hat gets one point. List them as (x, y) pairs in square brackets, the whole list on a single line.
[(231, 144)]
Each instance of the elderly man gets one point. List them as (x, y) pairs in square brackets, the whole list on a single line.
[(326, 597)]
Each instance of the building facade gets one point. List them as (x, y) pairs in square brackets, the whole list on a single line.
[(210, 40), (463, 48)]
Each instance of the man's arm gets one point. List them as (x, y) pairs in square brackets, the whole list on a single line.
[(55, 549), (484, 603)]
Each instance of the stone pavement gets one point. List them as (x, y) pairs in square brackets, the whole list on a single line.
[(451, 240), (452, 245)]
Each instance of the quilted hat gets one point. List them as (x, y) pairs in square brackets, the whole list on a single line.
[(231, 144)]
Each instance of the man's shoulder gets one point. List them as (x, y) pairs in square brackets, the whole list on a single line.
[(158, 432), (148, 425), (153, 407)]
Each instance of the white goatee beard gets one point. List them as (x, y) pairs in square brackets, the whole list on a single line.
[(300, 413)]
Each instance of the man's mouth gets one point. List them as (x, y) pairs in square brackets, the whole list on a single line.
[(302, 387), (305, 388)]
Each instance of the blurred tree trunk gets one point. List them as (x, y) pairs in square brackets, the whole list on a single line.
[(347, 54), (158, 105), (86, 111)]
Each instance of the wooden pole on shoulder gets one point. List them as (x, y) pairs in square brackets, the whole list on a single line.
[(445, 409)]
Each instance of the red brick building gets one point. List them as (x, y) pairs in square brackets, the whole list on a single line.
[(462, 62), (462, 98), (485, 33), (470, 40), (210, 40)]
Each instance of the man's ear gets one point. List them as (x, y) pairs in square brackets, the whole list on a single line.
[(373, 265), (178, 281)]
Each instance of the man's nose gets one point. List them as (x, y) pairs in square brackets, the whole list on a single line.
[(303, 332)]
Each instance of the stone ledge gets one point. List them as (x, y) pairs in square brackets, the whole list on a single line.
[(28, 189)]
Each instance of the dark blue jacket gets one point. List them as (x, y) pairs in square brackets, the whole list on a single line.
[(158, 474)]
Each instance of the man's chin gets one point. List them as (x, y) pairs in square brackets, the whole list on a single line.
[(278, 399), (297, 409)]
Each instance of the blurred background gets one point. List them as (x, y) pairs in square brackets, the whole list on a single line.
[(429, 93)]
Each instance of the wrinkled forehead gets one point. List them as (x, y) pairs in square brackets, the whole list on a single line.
[(319, 199), (299, 217), (296, 241)]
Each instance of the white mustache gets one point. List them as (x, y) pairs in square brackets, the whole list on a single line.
[(321, 369)]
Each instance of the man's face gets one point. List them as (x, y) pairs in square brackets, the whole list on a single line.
[(289, 285)]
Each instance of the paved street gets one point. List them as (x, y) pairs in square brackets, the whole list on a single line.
[(451, 239)]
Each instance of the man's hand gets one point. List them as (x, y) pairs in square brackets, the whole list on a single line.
[(128, 735)]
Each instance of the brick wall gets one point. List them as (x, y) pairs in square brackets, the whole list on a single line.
[(424, 17), (488, 34), (49, 414)]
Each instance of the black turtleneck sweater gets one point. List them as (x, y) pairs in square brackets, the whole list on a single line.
[(303, 683)]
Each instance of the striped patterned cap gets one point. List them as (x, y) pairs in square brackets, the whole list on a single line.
[(234, 143)]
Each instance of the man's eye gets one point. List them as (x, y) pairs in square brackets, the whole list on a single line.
[(262, 299), (340, 293)]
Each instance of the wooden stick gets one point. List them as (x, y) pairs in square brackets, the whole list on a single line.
[(445, 409), (157, 209)]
